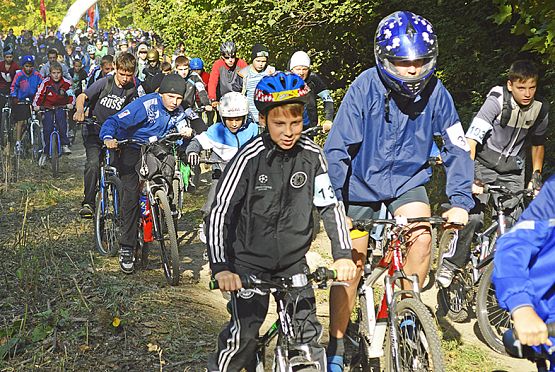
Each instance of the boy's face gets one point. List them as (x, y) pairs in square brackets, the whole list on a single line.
[(409, 68), (523, 90), (234, 124), (302, 71), (284, 127), (8, 58), (77, 66), (259, 63), (53, 57), (182, 71), (171, 101), (28, 68), (229, 60), (56, 75), (124, 77), (107, 68)]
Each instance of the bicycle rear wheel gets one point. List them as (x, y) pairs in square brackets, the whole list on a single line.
[(168, 238), (54, 154), (107, 217), (418, 341), (493, 321)]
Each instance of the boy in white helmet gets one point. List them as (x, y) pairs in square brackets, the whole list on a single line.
[(224, 138), (300, 65)]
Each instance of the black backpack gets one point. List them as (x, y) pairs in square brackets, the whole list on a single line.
[(507, 109)]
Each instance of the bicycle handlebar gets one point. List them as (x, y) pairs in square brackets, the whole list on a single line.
[(320, 275), (500, 189), (515, 349), (313, 130), (367, 224)]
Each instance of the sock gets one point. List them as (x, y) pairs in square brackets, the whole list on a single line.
[(335, 346)]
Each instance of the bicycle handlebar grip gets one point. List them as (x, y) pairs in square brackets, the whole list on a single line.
[(551, 329), (322, 274), (213, 285)]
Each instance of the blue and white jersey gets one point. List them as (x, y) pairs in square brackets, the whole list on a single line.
[(143, 118)]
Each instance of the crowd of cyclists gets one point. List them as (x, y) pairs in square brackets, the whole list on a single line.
[(268, 176)]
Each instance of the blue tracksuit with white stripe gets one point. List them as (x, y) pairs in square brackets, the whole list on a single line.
[(261, 223), (384, 142), (524, 260)]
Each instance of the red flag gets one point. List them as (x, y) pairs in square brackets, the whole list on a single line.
[(43, 11), (90, 13)]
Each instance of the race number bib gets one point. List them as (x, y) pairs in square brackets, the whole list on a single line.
[(323, 191)]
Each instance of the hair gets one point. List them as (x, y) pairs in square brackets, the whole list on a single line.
[(523, 70), (181, 61), (289, 109), (108, 58), (52, 51), (126, 62), (78, 61), (165, 66), (55, 66)]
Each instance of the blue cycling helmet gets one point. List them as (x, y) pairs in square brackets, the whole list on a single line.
[(404, 36), (278, 89), (196, 64), (27, 59)]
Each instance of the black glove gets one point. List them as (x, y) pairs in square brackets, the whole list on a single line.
[(536, 181), (193, 158)]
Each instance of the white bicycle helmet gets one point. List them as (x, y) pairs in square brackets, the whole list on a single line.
[(232, 105)]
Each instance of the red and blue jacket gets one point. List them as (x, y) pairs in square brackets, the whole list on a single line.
[(25, 86), (54, 94)]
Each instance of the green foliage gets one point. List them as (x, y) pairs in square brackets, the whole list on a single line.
[(533, 19)]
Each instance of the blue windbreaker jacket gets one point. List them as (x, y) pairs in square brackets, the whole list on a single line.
[(141, 119), (386, 148), (525, 257), (25, 86)]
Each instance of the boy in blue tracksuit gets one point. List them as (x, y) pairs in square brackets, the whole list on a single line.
[(154, 114), (379, 145), (523, 271)]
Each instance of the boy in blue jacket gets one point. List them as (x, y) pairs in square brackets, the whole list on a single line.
[(379, 145), (154, 114), (523, 272)]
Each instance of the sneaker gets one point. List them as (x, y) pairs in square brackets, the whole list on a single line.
[(66, 150), (445, 274), (126, 259), (335, 363), (18, 148), (42, 160), (86, 211)]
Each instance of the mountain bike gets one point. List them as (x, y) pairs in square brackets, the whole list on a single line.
[(514, 348), (472, 286), (157, 189), (55, 148), (31, 140), (412, 342), (107, 215), (289, 355), (6, 134)]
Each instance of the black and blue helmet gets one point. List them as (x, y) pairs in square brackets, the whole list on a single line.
[(278, 89), (404, 36)]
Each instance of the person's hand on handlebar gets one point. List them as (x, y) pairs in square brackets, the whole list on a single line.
[(69, 106), (477, 187), (79, 115), (36, 108), (193, 158), (345, 268), (215, 104), (535, 183), (456, 217), (111, 143), (186, 132), (530, 329), (326, 125), (228, 281), (208, 108)]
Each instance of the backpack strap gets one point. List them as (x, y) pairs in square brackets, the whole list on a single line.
[(507, 108)]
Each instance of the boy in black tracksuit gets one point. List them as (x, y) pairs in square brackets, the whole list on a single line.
[(261, 222)]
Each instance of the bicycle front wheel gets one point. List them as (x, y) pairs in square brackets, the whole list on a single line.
[(167, 239), (107, 221), (54, 155), (493, 321), (418, 346)]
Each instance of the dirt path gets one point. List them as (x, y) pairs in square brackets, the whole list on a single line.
[(64, 308)]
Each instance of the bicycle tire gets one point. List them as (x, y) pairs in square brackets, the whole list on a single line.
[(410, 309), (170, 258), (54, 156), (178, 189), (107, 220), (452, 301), (8, 128), (36, 147), (3, 131), (492, 320)]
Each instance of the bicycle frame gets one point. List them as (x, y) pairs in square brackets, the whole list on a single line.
[(107, 170)]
